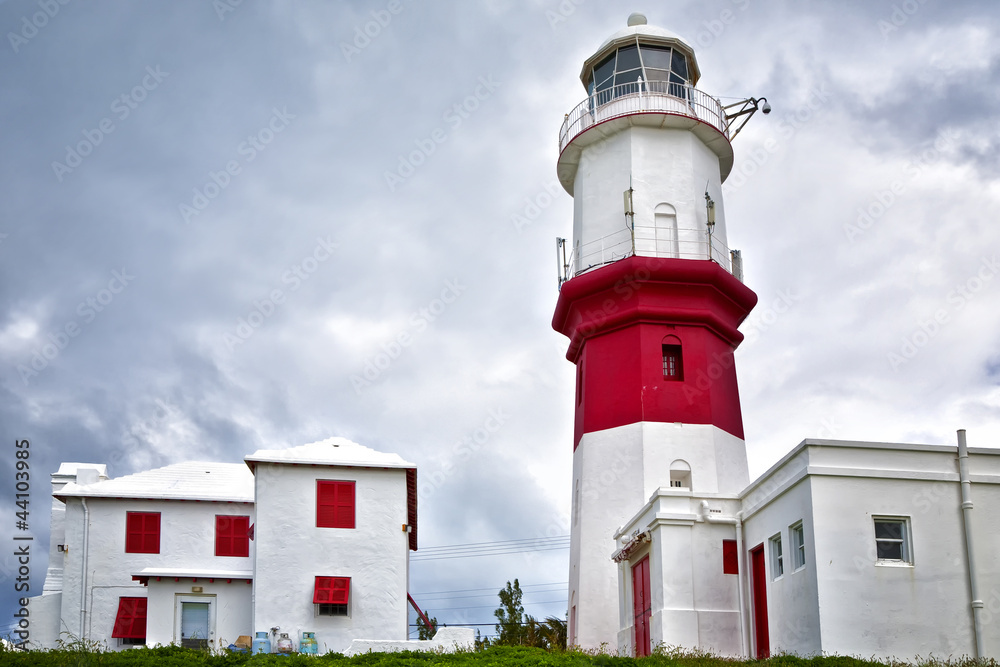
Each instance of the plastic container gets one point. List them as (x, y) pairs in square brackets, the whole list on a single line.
[(261, 644), (308, 644)]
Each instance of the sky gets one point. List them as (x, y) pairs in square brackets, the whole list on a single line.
[(227, 226)]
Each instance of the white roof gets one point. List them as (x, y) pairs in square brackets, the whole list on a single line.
[(194, 573), (645, 30), (70, 469), (194, 480), (339, 452)]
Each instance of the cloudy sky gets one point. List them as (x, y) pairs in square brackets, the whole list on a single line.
[(232, 226)]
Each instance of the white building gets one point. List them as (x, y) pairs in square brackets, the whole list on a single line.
[(313, 538), (842, 547)]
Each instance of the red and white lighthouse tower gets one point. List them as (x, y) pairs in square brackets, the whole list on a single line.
[(650, 299)]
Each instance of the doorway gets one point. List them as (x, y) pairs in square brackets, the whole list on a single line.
[(195, 621), (642, 606), (758, 575)]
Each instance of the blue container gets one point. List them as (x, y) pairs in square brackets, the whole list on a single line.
[(261, 644), (308, 644)]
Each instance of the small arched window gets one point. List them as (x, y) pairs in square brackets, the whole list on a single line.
[(673, 361), (680, 475), (665, 229)]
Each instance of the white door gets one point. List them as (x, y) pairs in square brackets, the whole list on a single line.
[(195, 622)]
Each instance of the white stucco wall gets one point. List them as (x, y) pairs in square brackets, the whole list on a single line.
[(694, 604), (793, 612), (231, 608), (187, 539), (669, 166), (292, 551), (850, 603), (618, 470)]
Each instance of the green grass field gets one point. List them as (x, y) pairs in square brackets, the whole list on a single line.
[(495, 656)]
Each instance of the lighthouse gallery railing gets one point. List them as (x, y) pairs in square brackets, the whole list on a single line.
[(643, 96), (648, 241)]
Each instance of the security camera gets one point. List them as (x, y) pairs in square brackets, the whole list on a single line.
[(766, 108)]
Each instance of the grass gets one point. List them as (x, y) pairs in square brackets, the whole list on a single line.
[(79, 655)]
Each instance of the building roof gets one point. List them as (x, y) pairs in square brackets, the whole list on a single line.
[(144, 575), (68, 469), (339, 452), (194, 480)]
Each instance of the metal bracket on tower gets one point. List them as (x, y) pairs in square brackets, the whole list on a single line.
[(630, 212), (745, 109)]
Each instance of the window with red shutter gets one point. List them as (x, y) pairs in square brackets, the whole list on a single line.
[(142, 532), (232, 535), (334, 504), (730, 557), (130, 623), (332, 595)]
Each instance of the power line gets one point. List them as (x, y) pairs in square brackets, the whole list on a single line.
[(493, 606), (491, 548), (493, 588), (479, 544), (483, 595)]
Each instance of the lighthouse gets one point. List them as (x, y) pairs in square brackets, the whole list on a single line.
[(650, 299)]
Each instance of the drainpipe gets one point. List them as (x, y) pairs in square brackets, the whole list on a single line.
[(977, 603), (737, 522), (83, 568)]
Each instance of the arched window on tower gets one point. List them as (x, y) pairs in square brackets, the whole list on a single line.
[(665, 230), (673, 362), (680, 475)]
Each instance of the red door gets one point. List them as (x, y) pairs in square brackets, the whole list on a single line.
[(642, 606), (759, 575)]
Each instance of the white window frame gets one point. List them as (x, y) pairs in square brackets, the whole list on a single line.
[(797, 537), (905, 541), (777, 558)]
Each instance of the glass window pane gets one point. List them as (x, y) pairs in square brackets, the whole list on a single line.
[(630, 76), (891, 530), (656, 56), (890, 550), (628, 58), (657, 75), (604, 70), (680, 65)]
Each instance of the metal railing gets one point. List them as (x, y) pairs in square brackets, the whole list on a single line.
[(643, 96), (648, 241)]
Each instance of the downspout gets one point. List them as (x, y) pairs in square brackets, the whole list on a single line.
[(737, 522), (83, 568), (977, 603)]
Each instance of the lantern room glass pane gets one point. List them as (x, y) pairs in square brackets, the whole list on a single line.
[(629, 76), (656, 56), (628, 58), (680, 65), (657, 75), (603, 72)]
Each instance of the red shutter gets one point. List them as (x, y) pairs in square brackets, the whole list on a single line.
[(730, 559), (334, 504), (142, 532), (232, 535), (332, 590), (130, 623)]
